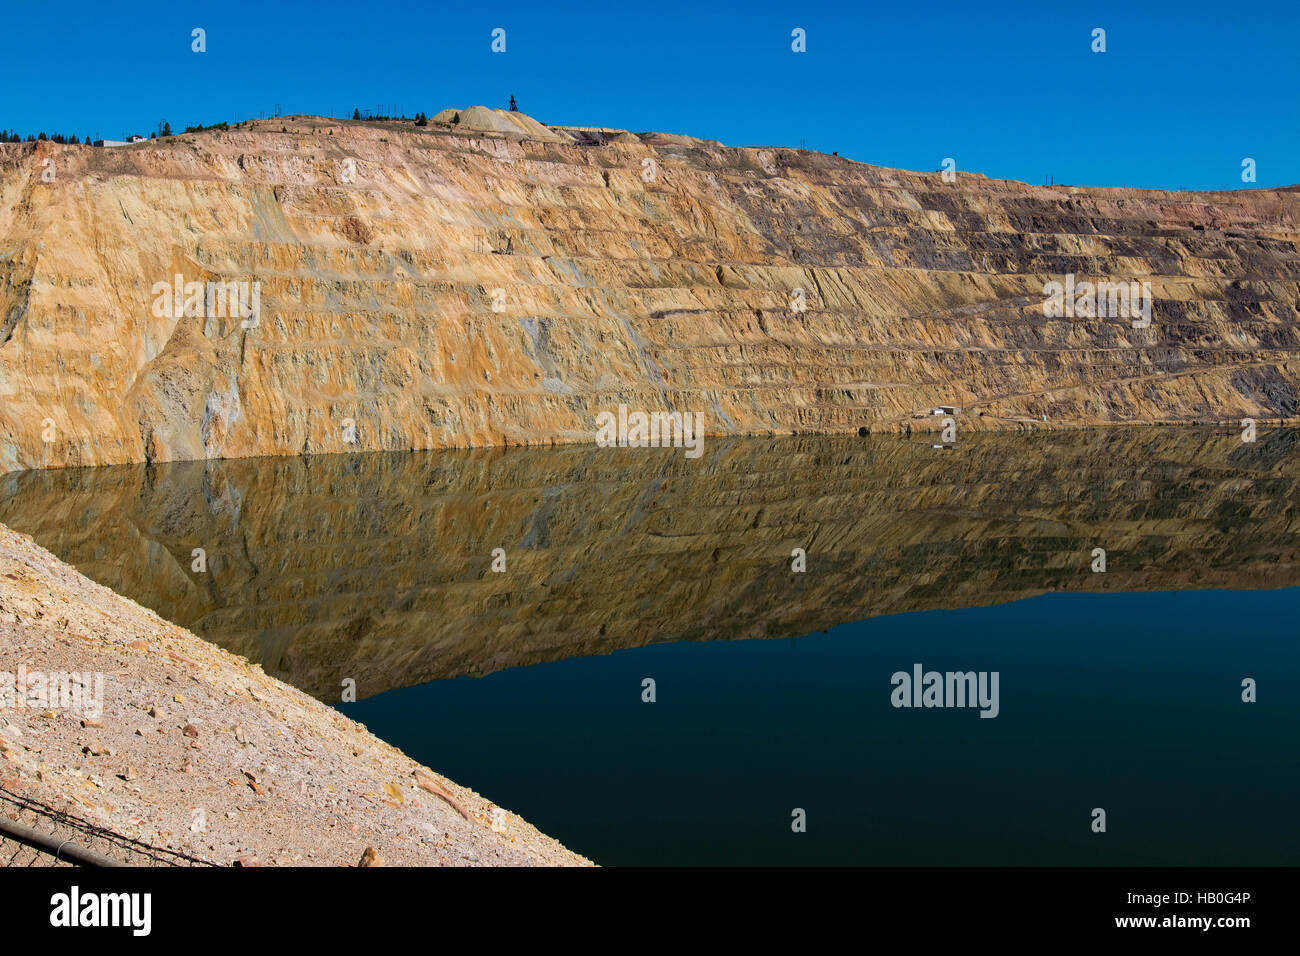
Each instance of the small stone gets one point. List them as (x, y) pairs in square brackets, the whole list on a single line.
[(130, 774), (371, 858), (157, 712), (191, 731), (425, 782)]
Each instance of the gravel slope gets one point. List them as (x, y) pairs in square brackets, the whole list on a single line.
[(198, 751)]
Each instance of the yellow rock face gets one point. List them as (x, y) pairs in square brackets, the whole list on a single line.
[(427, 287)]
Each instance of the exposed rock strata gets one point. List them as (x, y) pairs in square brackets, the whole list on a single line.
[(381, 250), (197, 752)]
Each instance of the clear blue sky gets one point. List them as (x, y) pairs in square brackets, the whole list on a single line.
[(1183, 93)]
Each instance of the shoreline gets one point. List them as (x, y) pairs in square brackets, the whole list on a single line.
[(193, 751), (920, 425)]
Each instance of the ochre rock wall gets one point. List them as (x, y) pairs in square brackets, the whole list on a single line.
[(382, 249)]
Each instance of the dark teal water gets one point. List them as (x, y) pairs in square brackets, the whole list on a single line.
[(1127, 702), (1119, 690)]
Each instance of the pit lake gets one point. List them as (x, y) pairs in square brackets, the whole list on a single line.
[(1160, 690)]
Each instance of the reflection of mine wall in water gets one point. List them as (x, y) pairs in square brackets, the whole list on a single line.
[(376, 567)]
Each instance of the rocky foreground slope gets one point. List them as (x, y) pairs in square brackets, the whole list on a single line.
[(444, 285), (180, 746)]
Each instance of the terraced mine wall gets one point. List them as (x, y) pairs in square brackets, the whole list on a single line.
[(433, 287)]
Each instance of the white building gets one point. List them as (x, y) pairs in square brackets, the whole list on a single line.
[(118, 142)]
